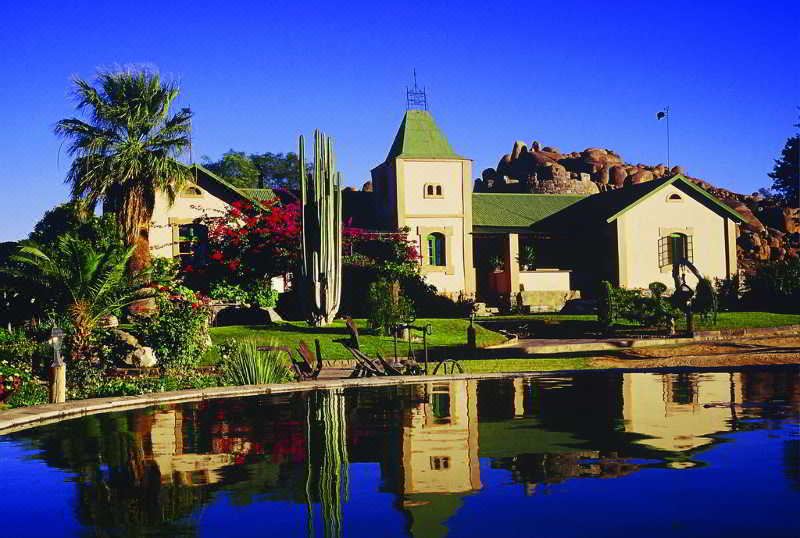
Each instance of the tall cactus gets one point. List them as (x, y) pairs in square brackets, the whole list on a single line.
[(321, 198)]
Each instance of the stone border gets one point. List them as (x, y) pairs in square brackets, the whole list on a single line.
[(518, 350), (39, 415)]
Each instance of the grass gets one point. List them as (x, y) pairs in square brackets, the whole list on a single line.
[(525, 365), (738, 320), (447, 335), (725, 320)]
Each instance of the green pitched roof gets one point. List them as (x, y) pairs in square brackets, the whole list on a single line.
[(504, 213), (253, 195), (500, 212), (419, 136), (259, 195)]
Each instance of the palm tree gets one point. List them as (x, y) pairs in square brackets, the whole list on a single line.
[(126, 152), (88, 283)]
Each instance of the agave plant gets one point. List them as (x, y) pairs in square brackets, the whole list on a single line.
[(87, 283), (245, 364)]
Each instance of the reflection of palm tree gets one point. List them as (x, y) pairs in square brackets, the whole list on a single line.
[(329, 423)]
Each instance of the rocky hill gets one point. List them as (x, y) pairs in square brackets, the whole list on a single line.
[(772, 232)]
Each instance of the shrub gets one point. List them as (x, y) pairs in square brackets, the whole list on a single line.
[(263, 296), (729, 292), (230, 293), (387, 306), (705, 300), (178, 331), (776, 285), (243, 364), (11, 379), (18, 348), (132, 386), (30, 392), (606, 306), (648, 309)]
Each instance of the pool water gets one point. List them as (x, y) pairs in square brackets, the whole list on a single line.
[(584, 454)]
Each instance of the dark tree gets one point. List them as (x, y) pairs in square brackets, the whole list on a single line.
[(256, 170), (786, 174), (236, 168)]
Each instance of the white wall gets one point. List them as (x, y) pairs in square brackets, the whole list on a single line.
[(640, 228), (184, 208), (544, 280), (451, 212)]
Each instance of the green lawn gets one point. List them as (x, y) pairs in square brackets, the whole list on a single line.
[(524, 365), (447, 333), (737, 320), (725, 320)]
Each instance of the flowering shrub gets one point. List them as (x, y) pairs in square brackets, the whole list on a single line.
[(178, 331), (254, 241), (11, 378), (17, 348), (392, 255)]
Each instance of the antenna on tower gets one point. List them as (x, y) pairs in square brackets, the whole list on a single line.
[(416, 98)]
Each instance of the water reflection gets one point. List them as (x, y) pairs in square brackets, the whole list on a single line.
[(333, 456)]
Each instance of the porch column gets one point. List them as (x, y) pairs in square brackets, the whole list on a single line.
[(512, 266)]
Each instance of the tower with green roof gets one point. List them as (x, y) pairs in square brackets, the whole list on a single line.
[(425, 186)]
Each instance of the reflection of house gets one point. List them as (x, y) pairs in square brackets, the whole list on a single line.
[(440, 441), (679, 411), (175, 466)]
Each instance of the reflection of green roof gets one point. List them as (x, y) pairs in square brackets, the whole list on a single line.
[(429, 512), (420, 137), (493, 211)]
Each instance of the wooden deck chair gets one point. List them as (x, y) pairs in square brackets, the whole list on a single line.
[(388, 368), (365, 367), (352, 330), (311, 364)]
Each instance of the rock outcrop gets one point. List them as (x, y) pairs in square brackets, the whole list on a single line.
[(771, 232)]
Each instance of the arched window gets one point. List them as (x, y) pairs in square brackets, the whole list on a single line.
[(674, 197), (433, 190), (436, 253)]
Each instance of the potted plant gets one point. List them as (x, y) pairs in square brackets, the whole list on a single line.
[(526, 258), (496, 264)]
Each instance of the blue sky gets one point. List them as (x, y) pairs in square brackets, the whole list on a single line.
[(569, 74)]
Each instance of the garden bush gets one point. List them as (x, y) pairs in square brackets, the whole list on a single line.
[(133, 386), (18, 348), (387, 306), (706, 302), (775, 286), (606, 306), (241, 363), (12, 377), (30, 392), (178, 330)]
